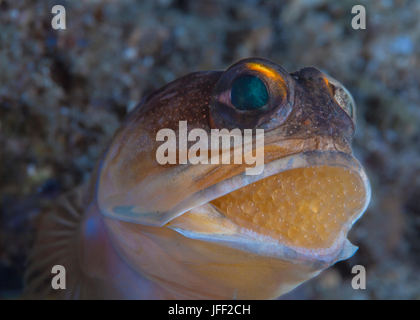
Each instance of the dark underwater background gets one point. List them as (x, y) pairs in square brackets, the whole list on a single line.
[(64, 92)]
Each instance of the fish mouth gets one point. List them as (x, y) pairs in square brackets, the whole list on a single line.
[(303, 203)]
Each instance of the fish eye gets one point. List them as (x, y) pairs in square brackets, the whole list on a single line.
[(344, 100), (249, 93), (252, 93), (342, 96)]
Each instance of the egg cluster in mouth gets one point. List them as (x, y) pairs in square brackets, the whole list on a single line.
[(305, 207)]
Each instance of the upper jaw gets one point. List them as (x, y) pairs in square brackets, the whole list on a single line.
[(293, 161), (162, 197), (279, 156)]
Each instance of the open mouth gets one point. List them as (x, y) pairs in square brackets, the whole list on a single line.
[(304, 207)]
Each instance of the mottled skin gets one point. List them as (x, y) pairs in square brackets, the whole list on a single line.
[(145, 230)]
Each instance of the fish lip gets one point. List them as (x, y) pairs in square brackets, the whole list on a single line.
[(265, 246), (250, 241)]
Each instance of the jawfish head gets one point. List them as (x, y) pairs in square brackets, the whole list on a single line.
[(209, 230)]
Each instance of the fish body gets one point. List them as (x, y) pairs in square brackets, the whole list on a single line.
[(140, 229)]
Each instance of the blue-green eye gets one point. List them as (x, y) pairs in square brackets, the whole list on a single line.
[(249, 93)]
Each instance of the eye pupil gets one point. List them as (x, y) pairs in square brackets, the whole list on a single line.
[(249, 93)]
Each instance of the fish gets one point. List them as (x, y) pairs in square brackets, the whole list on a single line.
[(140, 229)]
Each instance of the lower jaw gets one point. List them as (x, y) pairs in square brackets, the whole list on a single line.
[(305, 207)]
